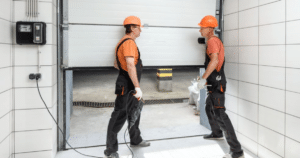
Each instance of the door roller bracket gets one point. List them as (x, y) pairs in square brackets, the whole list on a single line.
[(64, 26)]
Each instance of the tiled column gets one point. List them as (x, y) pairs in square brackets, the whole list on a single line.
[(34, 129)]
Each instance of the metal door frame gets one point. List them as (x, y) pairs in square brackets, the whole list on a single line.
[(63, 91)]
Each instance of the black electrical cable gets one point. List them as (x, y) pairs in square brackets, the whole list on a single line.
[(37, 84), (132, 91), (58, 125), (127, 144)]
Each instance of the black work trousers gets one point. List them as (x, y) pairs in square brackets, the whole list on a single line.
[(219, 120), (117, 121)]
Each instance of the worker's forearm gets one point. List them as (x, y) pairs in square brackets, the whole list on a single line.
[(210, 68), (133, 75)]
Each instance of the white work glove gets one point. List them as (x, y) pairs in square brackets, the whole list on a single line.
[(138, 93), (201, 83)]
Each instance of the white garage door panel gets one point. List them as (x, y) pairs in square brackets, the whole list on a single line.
[(179, 13), (94, 46)]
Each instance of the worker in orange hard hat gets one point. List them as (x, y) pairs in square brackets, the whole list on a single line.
[(215, 80), (128, 62)]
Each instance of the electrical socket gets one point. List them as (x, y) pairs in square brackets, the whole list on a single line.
[(31, 76), (36, 76)]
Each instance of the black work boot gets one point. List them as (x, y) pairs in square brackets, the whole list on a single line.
[(112, 155), (212, 136), (235, 155), (142, 144)]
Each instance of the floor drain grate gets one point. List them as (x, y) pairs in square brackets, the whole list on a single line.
[(112, 104)]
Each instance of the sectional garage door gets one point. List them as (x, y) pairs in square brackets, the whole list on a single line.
[(95, 27)]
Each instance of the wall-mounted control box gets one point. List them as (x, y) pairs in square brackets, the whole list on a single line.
[(33, 33)]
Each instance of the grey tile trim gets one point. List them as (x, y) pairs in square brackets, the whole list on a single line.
[(293, 44), (292, 20), (231, 46), (248, 9), (231, 63), (293, 92), (271, 44), (34, 130), (50, 108), (285, 76), (6, 43), (270, 150), (271, 108), (273, 23), (32, 87), (14, 44), (5, 67), (31, 152), (4, 19), (230, 30), (31, 65), (248, 27), (293, 139), (247, 45), (270, 3), (292, 115), (258, 80), (39, 1), (5, 91), (231, 13), (271, 129), (5, 114), (238, 68), (273, 66), (5, 138), (244, 28), (247, 137), (227, 30), (247, 64)]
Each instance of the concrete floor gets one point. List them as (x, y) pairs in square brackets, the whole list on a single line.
[(193, 147), (89, 125), (99, 86)]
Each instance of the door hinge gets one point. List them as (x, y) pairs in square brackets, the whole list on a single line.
[(64, 26), (64, 67)]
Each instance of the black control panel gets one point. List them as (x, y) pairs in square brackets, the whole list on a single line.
[(33, 33)]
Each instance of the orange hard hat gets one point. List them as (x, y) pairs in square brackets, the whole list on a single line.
[(209, 21), (132, 20)]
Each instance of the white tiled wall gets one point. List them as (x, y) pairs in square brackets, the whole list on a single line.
[(272, 55), (6, 85), (246, 21), (21, 133), (248, 54), (264, 72)]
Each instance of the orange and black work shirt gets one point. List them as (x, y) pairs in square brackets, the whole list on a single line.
[(127, 49), (215, 45)]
